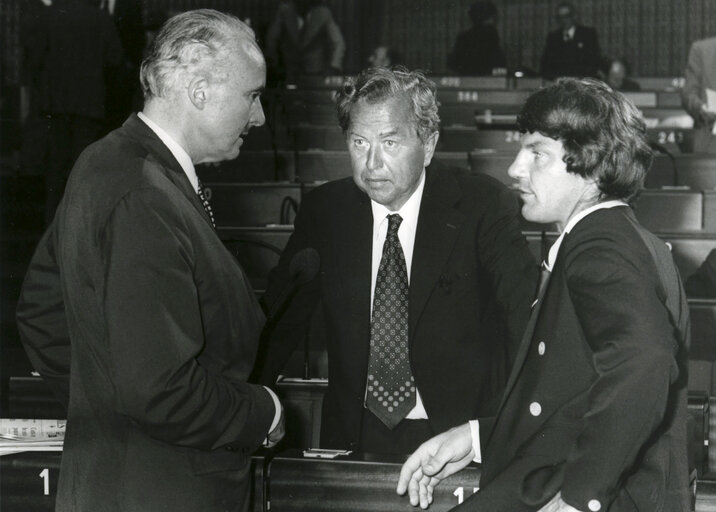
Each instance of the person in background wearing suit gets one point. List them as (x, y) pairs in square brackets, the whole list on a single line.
[(700, 76), (615, 73), (75, 46), (594, 413), (133, 311), (477, 51), (304, 39), (572, 49), (385, 57), (425, 277)]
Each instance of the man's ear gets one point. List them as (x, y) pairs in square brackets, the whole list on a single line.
[(429, 146), (198, 91)]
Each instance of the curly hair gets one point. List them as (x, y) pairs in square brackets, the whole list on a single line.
[(376, 85), (603, 133), (192, 42)]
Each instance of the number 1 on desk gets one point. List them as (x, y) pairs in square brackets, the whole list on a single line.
[(459, 492), (45, 475)]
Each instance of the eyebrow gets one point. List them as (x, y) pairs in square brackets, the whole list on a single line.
[(390, 133)]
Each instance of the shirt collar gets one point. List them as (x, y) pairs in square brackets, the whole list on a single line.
[(554, 250), (182, 156), (569, 33), (409, 211)]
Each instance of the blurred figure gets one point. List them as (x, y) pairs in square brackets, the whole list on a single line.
[(572, 49), (477, 51), (384, 57), (123, 92), (78, 46), (700, 77), (304, 39), (615, 73)]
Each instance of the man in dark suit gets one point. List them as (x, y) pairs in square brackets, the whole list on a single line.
[(461, 282), (304, 39), (134, 312), (700, 77), (594, 413), (572, 49)]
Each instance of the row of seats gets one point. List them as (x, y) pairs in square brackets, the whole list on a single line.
[(696, 171)]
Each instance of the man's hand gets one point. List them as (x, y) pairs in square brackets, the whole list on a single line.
[(435, 459), (277, 433), (557, 505)]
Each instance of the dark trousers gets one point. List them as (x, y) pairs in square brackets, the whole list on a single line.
[(404, 439)]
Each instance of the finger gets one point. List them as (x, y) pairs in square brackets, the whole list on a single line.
[(410, 467), (424, 493), (414, 488)]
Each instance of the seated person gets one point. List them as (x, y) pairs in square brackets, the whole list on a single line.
[(572, 49), (595, 410), (615, 73), (384, 57), (477, 51)]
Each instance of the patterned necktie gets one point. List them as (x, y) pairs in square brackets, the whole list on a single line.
[(205, 203), (390, 393)]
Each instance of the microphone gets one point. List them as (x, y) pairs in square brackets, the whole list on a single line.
[(304, 267)]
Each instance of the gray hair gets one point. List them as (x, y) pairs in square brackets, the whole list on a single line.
[(377, 85), (192, 42)]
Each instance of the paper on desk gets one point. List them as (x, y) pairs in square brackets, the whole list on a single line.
[(711, 104), (31, 435)]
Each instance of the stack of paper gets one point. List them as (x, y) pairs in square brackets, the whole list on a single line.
[(19, 435)]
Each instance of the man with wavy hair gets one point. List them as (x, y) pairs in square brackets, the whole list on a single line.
[(425, 278), (594, 413), (133, 310)]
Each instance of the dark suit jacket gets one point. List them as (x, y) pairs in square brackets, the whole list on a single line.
[(477, 51), (596, 403), (146, 327), (471, 283), (578, 57)]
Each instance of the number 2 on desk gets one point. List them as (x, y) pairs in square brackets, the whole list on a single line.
[(45, 475), (459, 492)]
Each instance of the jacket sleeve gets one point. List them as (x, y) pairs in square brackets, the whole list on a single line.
[(692, 92), (152, 313), (41, 319), (617, 301)]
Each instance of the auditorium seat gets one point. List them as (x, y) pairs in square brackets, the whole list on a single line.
[(320, 165), (469, 138), (257, 248), (696, 171), (319, 137), (690, 251), (670, 211), (492, 163), (251, 167), (253, 204)]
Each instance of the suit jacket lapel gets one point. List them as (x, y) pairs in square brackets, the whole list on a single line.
[(172, 170), (438, 227)]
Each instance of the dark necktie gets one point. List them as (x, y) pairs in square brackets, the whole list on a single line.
[(390, 392), (205, 203)]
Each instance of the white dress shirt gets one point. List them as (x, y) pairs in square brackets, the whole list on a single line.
[(188, 166), (549, 264), (406, 234)]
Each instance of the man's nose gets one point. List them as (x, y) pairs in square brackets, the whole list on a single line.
[(517, 167), (257, 114), (375, 158)]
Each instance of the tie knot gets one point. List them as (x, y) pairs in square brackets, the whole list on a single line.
[(394, 221)]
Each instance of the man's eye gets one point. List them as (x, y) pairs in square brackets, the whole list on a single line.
[(359, 142), (390, 143)]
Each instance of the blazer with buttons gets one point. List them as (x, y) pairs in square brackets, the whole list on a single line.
[(596, 403), (471, 284), (146, 327)]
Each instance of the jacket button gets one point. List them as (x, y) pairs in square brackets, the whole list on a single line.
[(594, 505), (535, 409), (541, 348)]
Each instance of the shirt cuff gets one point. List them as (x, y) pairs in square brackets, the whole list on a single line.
[(277, 405), (475, 433)]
